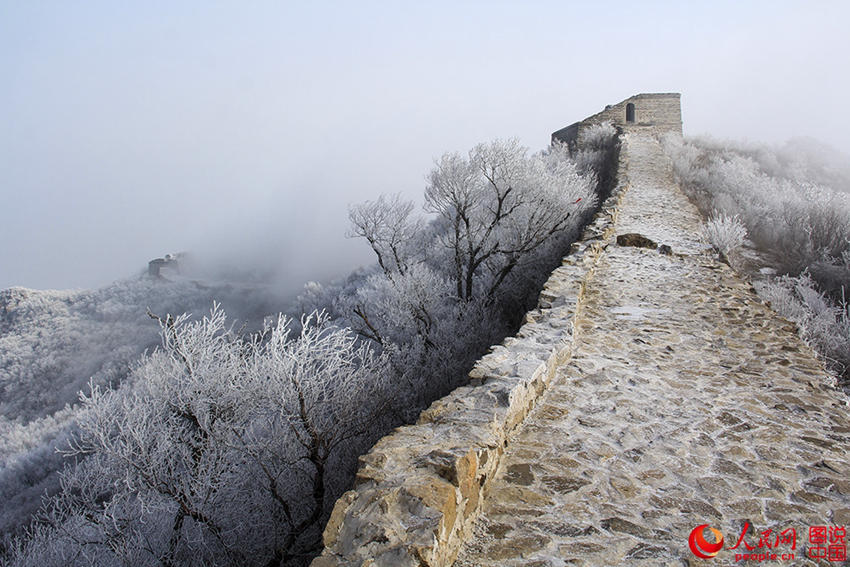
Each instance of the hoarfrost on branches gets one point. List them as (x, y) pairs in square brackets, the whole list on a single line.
[(219, 449), (724, 233), (794, 203)]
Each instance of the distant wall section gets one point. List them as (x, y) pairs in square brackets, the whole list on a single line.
[(658, 112)]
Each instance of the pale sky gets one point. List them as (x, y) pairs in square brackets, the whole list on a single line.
[(133, 129)]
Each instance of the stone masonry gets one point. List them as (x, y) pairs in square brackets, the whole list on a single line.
[(650, 113), (687, 401), (419, 490), (649, 393)]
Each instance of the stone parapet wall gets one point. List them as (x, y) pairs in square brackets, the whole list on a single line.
[(419, 489)]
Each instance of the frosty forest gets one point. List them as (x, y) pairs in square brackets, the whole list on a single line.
[(228, 445), (225, 446), (243, 243)]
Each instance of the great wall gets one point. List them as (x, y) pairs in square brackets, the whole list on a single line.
[(651, 392)]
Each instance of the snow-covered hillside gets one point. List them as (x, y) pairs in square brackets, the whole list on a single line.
[(53, 343)]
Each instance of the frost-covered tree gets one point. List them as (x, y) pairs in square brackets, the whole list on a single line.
[(492, 208), (228, 449), (387, 225), (724, 234), (594, 145), (449, 287), (427, 333), (218, 450), (497, 204), (796, 223), (52, 343)]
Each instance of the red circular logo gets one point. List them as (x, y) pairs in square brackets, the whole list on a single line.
[(700, 546)]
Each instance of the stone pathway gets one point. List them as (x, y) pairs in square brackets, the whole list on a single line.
[(687, 402)]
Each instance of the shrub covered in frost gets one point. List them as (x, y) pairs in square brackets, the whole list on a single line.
[(724, 233), (794, 206)]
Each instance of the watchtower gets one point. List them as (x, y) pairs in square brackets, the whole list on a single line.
[(171, 262), (656, 112)]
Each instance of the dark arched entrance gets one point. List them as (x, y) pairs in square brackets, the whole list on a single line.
[(630, 112)]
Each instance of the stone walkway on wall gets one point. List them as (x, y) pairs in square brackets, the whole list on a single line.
[(687, 402)]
